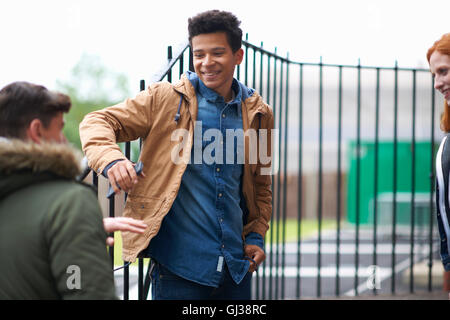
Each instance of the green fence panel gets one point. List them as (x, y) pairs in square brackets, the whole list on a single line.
[(385, 191)]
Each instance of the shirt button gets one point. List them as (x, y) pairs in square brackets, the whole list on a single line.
[(223, 246), (223, 115), (218, 169), (220, 195)]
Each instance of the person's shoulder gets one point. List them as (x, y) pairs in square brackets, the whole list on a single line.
[(164, 87), (444, 152), (253, 96), (162, 91), (263, 106), (75, 189), (63, 185), (70, 200), (160, 85), (445, 143), (66, 192)]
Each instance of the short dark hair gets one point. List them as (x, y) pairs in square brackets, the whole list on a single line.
[(216, 21), (21, 102)]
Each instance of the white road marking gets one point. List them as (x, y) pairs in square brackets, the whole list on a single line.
[(347, 248)]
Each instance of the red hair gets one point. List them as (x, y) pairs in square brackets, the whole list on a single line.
[(442, 46)]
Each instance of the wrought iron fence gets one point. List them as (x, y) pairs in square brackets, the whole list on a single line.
[(353, 177)]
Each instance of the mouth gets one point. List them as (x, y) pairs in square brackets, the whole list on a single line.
[(446, 93), (210, 74)]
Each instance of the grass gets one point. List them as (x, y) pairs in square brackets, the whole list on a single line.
[(309, 227)]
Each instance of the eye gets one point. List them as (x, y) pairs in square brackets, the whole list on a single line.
[(198, 55), (442, 71)]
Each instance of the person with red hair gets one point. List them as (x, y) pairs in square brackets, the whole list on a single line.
[(439, 59)]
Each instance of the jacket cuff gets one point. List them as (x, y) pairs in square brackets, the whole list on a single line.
[(105, 160), (255, 239), (105, 171)]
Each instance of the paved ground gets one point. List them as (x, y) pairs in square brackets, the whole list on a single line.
[(301, 280), (419, 295)]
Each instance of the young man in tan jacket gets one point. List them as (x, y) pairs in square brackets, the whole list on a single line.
[(205, 192)]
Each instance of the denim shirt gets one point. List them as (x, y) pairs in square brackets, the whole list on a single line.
[(203, 230)]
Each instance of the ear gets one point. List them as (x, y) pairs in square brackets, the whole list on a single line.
[(239, 56), (34, 130)]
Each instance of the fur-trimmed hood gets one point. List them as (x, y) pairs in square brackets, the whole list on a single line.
[(24, 163), (60, 159)]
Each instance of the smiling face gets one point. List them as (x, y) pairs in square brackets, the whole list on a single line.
[(214, 61), (440, 68)]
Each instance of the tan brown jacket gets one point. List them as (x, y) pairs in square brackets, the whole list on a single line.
[(150, 116)]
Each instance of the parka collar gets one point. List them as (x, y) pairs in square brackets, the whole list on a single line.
[(59, 159)]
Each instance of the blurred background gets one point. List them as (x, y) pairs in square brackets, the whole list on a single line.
[(97, 51)]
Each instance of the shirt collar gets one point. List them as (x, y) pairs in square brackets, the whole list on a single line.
[(213, 97)]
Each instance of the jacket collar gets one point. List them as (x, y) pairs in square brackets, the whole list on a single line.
[(188, 85), (59, 159)]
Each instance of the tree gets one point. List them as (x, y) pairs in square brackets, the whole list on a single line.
[(91, 86)]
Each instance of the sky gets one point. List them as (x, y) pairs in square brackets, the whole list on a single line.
[(42, 40)]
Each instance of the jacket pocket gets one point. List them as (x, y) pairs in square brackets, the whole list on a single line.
[(143, 208)]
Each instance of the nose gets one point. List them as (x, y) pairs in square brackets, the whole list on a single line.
[(207, 61), (438, 83)]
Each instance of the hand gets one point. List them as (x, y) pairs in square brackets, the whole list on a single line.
[(256, 253), (122, 224), (122, 173)]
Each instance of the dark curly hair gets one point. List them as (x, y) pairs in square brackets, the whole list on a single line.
[(216, 21)]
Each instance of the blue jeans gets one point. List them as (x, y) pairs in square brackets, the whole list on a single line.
[(168, 286)]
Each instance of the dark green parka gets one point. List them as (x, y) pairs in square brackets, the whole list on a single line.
[(52, 240)]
